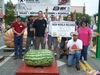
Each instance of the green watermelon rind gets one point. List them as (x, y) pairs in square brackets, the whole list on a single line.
[(39, 58)]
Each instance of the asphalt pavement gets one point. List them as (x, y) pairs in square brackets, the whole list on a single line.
[(9, 66)]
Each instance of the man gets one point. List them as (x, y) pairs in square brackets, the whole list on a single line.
[(40, 25), (30, 33), (74, 46), (94, 39), (62, 44), (18, 29), (51, 40)]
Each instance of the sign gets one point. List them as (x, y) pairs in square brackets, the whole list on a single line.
[(31, 7), (62, 28)]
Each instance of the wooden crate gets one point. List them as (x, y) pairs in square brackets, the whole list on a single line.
[(27, 70)]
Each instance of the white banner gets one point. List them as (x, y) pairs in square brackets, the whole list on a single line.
[(62, 28), (55, 7)]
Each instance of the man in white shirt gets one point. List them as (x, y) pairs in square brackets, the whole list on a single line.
[(52, 40), (94, 34), (75, 46)]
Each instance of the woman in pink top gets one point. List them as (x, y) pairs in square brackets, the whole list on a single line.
[(84, 35)]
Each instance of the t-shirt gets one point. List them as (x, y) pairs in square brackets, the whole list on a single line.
[(84, 35), (49, 26), (18, 27), (30, 25), (40, 26), (74, 45), (94, 28)]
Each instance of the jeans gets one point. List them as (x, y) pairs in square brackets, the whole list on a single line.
[(18, 42), (62, 44), (28, 42), (71, 58), (84, 53)]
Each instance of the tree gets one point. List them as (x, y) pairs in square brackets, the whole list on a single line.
[(80, 15), (9, 16)]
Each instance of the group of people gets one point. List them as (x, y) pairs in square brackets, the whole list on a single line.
[(72, 47), (35, 32), (77, 46)]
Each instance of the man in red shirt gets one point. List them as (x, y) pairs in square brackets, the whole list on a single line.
[(18, 29)]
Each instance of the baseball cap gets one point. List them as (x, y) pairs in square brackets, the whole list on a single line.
[(52, 16), (75, 33), (96, 22)]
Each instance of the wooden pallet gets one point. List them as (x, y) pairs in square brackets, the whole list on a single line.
[(1, 58), (7, 49)]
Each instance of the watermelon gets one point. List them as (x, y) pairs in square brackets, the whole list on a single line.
[(39, 58)]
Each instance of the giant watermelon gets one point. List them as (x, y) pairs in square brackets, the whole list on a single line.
[(39, 58)]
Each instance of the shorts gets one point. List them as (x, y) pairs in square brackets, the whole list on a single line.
[(94, 39), (52, 41), (62, 44)]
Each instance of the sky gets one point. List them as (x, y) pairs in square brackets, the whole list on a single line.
[(91, 5)]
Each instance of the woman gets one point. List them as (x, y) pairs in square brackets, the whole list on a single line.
[(84, 35)]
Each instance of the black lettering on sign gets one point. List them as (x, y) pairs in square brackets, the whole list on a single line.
[(65, 13), (51, 13), (62, 8), (54, 24), (33, 12), (56, 8), (61, 24), (32, 1), (22, 12)]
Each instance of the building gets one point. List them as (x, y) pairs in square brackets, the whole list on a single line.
[(2, 10), (79, 9)]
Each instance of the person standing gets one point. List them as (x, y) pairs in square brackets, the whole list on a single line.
[(18, 30), (74, 46), (94, 39), (52, 40), (85, 35), (40, 25), (30, 33), (62, 44)]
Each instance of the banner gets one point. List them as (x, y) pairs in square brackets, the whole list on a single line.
[(62, 28), (55, 7)]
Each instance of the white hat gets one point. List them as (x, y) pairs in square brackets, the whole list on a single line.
[(74, 33), (52, 16)]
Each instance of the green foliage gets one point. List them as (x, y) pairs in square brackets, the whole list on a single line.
[(9, 16), (79, 16)]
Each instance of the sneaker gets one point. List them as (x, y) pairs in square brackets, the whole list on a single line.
[(15, 57), (61, 56), (55, 54), (77, 67), (21, 57), (84, 62)]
